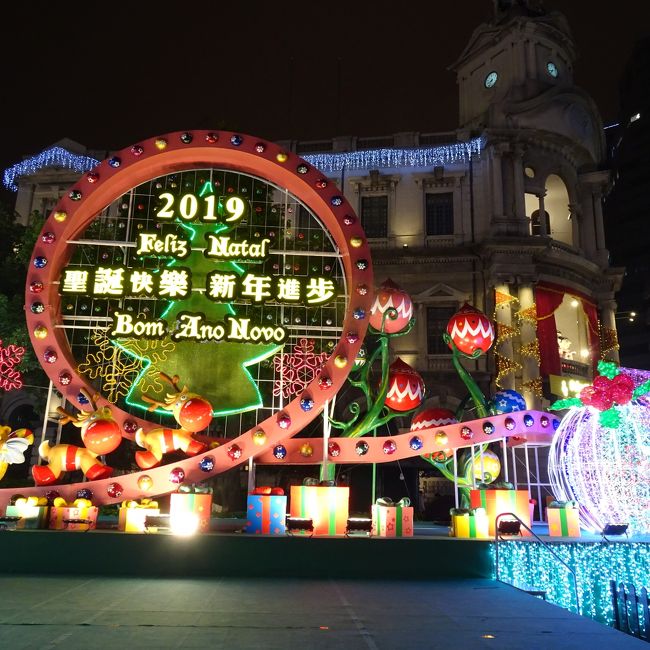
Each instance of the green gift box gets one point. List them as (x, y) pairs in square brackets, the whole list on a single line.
[(563, 519), (31, 517)]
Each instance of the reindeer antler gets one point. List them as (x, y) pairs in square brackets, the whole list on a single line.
[(154, 403), (65, 416), (172, 380)]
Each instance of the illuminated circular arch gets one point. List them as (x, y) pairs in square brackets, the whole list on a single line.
[(179, 152)]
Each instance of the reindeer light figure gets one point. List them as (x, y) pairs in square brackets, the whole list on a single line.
[(100, 434), (191, 411)]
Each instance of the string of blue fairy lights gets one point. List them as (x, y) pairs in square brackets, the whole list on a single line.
[(457, 152)]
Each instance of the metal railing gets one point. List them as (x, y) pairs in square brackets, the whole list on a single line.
[(626, 603), (497, 539)]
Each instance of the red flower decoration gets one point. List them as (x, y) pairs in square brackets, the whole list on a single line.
[(604, 392), (622, 389)]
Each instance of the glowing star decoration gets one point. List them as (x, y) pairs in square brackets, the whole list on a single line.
[(471, 331), (508, 401), (431, 418), (13, 445), (10, 357), (406, 388), (605, 469), (296, 370), (391, 297)]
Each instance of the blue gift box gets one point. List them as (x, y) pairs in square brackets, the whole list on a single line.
[(266, 514)]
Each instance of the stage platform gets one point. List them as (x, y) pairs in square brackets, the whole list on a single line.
[(216, 554)]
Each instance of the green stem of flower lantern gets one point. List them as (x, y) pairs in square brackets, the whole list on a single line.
[(375, 402), (472, 387)]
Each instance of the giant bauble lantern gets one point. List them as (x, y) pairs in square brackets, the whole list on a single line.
[(471, 330), (431, 418), (391, 296), (599, 456), (405, 387), (486, 467)]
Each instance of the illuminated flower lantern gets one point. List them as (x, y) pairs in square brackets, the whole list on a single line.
[(487, 467), (471, 331), (600, 452), (431, 418), (508, 401), (405, 387), (391, 296)]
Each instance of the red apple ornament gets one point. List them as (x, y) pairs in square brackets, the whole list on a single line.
[(391, 296), (470, 330), (405, 387)]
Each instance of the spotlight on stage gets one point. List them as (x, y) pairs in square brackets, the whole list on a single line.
[(509, 527), (614, 529), (359, 526)]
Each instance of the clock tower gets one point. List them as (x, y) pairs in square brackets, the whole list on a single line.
[(517, 71)]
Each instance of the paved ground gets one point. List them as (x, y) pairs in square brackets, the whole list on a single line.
[(96, 613)]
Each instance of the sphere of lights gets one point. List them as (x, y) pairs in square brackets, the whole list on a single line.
[(605, 469)]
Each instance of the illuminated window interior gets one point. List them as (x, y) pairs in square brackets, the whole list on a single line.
[(556, 204), (572, 332)]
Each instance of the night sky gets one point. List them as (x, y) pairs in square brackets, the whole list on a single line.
[(108, 74)]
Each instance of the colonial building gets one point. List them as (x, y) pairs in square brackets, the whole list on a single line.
[(504, 213)]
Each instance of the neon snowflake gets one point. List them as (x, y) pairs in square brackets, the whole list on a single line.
[(10, 357), (296, 370)]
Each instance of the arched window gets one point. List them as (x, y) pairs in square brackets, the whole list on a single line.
[(536, 227), (556, 204)]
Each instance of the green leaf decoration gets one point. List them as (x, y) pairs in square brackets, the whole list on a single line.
[(641, 389), (610, 418), (608, 369), (566, 403)]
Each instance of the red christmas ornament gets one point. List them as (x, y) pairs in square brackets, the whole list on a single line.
[(391, 296), (195, 414), (431, 418), (114, 490), (470, 329), (102, 436), (405, 387)]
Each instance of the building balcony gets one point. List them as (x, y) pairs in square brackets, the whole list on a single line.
[(575, 368)]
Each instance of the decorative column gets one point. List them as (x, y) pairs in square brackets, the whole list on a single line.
[(503, 347), (497, 183), (529, 349), (601, 251), (608, 335), (519, 198), (575, 227)]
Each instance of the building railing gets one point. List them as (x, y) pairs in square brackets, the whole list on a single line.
[(570, 367)]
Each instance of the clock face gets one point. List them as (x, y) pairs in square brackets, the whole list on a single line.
[(551, 68), (491, 79)]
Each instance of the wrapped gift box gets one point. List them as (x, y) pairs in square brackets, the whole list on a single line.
[(497, 501), (266, 514), (60, 514), (392, 520), (327, 507), (563, 520), (199, 504), (30, 516), (471, 524), (132, 519)]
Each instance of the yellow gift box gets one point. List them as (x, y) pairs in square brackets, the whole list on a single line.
[(472, 524), (563, 521), (132, 515), (497, 501)]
